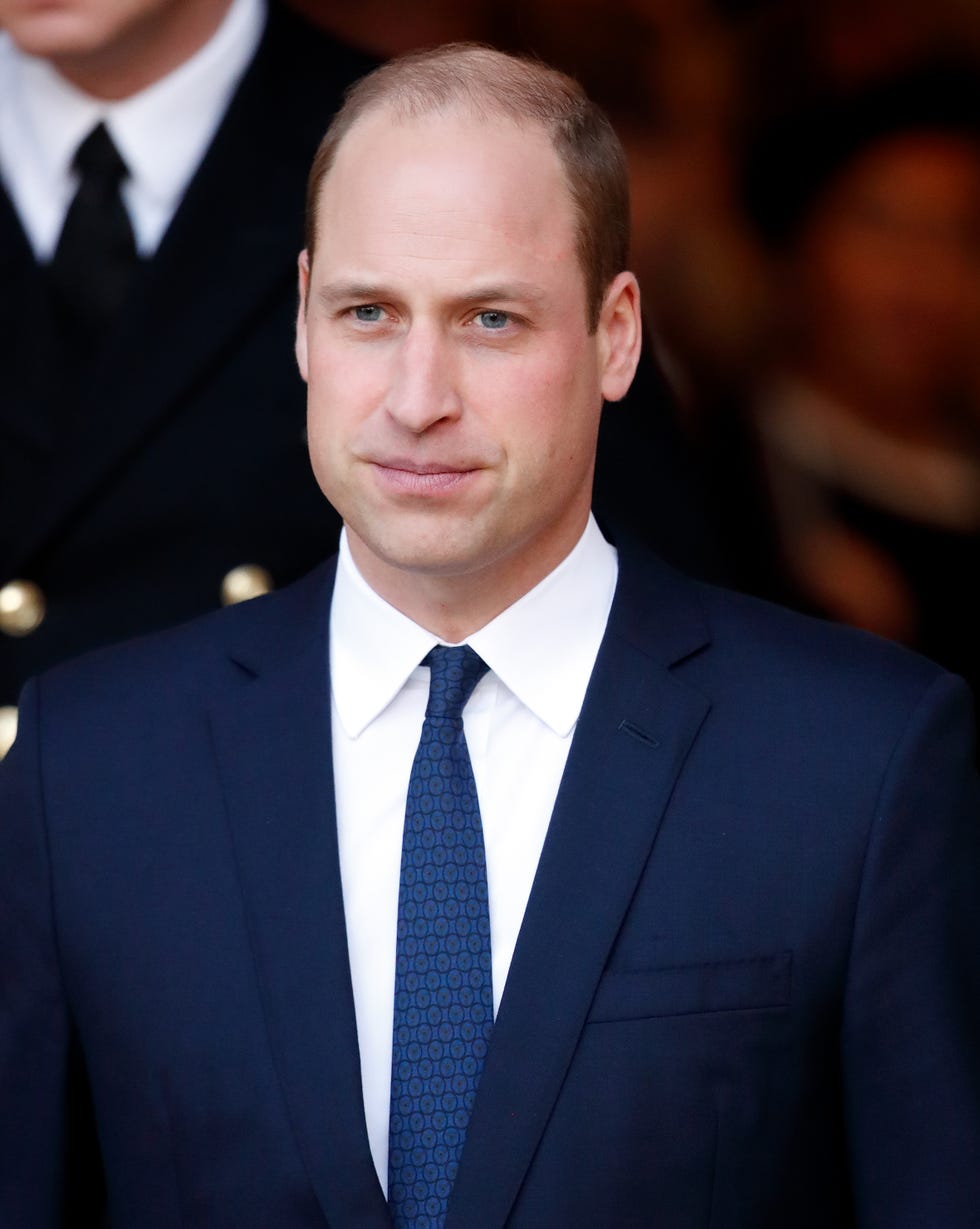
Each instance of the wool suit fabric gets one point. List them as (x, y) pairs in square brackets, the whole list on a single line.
[(746, 993)]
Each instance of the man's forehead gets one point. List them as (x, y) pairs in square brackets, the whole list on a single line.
[(444, 162), (387, 122)]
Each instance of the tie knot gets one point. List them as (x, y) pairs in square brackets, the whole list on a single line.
[(455, 671), (98, 161)]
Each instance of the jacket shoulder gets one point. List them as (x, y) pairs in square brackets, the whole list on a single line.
[(196, 659), (771, 662)]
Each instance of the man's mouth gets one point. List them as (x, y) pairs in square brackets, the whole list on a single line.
[(422, 477)]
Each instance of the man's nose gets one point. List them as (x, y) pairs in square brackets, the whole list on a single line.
[(423, 388)]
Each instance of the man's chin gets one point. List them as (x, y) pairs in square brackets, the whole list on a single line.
[(432, 552), (54, 35), (443, 562)]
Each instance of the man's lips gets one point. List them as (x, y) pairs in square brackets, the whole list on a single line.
[(423, 477)]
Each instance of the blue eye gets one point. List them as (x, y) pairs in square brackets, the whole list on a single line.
[(368, 313), (494, 319)]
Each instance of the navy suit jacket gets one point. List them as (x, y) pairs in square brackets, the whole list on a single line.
[(746, 992)]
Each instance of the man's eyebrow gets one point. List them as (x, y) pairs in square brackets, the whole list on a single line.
[(334, 293), (351, 292), (503, 292)]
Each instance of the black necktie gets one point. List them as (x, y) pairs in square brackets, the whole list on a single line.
[(96, 254)]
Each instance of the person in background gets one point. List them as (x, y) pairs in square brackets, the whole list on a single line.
[(152, 457), (867, 419)]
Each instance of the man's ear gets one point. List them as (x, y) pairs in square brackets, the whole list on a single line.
[(619, 333), (304, 290)]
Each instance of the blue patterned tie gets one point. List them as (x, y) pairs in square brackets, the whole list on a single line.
[(443, 978)]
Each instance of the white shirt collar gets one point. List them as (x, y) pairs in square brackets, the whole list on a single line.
[(162, 132), (542, 648)]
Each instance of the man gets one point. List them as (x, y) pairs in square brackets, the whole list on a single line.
[(152, 461), (672, 918)]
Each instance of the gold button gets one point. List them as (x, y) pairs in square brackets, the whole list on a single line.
[(8, 728), (245, 582), (21, 608)]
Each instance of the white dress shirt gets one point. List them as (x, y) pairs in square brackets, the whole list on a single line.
[(518, 723), (162, 132)]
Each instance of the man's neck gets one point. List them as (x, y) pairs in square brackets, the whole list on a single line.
[(455, 605)]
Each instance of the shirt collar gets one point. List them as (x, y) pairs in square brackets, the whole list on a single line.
[(162, 131), (55, 113), (542, 648)]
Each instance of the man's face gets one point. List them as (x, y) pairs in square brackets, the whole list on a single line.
[(454, 388)]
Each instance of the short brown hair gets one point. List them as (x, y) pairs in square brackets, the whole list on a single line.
[(491, 83)]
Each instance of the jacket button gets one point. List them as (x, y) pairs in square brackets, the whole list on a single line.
[(21, 608), (8, 728), (245, 582)]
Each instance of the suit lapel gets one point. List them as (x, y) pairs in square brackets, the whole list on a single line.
[(27, 436), (636, 728), (272, 742), (22, 310)]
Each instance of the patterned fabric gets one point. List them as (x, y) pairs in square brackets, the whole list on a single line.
[(443, 979)]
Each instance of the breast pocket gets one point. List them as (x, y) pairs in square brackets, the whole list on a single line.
[(753, 984)]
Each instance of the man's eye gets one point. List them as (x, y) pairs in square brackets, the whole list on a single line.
[(368, 313), (493, 320)]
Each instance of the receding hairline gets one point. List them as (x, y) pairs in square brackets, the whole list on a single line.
[(452, 111), (487, 81), (457, 80)]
